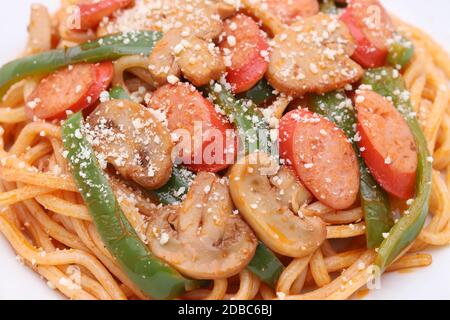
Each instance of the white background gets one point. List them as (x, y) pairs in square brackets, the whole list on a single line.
[(18, 282)]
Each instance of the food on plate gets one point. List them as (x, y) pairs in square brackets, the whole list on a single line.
[(200, 149)]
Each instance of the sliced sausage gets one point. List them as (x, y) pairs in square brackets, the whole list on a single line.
[(372, 28), (389, 148), (313, 56), (322, 157), (92, 13), (127, 135), (245, 49), (72, 88), (183, 106)]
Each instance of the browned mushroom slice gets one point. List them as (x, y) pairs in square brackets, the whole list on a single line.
[(127, 135), (203, 17), (290, 192), (161, 63), (202, 237), (275, 15), (227, 8), (39, 30), (146, 203), (272, 220), (199, 60), (189, 26), (313, 56), (259, 10)]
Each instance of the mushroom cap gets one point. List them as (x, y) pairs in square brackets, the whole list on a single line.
[(270, 217), (313, 56), (202, 238), (128, 136)]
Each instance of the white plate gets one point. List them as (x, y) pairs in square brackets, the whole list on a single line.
[(18, 282)]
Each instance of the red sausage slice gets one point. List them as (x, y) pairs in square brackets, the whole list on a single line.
[(322, 157), (69, 89), (371, 27), (290, 11), (91, 14), (245, 45), (184, 106), (389, 149)]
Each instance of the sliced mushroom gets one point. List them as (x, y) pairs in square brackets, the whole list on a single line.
[(275, 15), (269, 19), (290, 192), (39, 30), (227, 8), (204, 20), (313, 56), (161, 63), (291, 11), (200, 61), (182, 52), (144, 202), (189, 26), (269, 215), (202, 16), (128, 136), (202, 238)]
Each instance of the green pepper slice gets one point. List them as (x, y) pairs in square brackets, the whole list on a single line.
[(400, 52), (388, 83), (151, 275), (102, 49), (246, 116), (119, 93), (176, 188), (265, 265), (259, 94)]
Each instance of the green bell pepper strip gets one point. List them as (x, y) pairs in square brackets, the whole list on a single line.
[(400, 52), (247, 118), (176, 188), (374, 201), (102, 49), (178, 185), (152, 276), (388, 83), (119, 93), (259, 94), (265, 265)]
